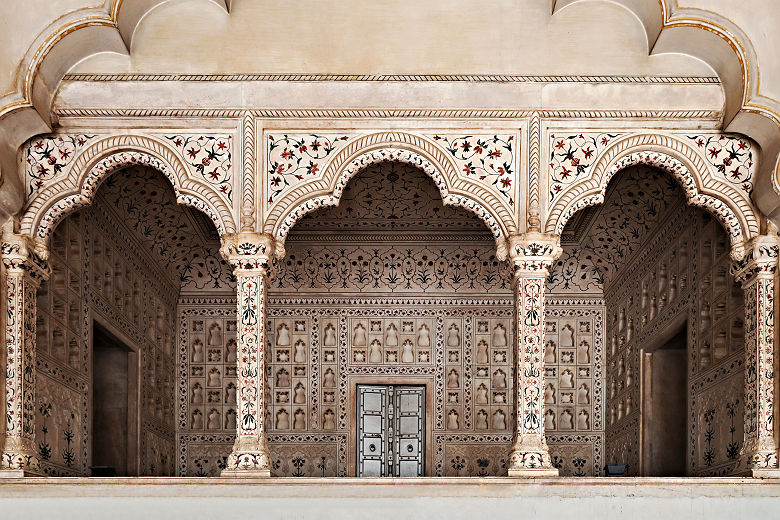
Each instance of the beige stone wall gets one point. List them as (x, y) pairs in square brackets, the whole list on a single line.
[(99, 275), (680, 272)]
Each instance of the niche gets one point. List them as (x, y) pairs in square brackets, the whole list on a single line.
[(359, 336), (213, 420), (499, 379), (230, 394), (453, 336), (482, 352), (282, 420), (214, 378), (567, 336), (482, 420), (283, 335), (215, 335), (499, 336), (299, 420), (330, 335), (453, 380), (499, 420), (300, 352)]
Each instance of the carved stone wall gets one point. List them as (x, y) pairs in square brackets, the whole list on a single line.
[(677, 273), (106, 267), (390, 286)]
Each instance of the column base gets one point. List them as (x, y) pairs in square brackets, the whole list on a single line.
[(530, 458), (246, 473), (764, 473), (249, 458), (18, 473), (532, 472)]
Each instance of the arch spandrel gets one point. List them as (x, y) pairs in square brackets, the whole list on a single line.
[(104, 156), (728, 202), (374, 148)]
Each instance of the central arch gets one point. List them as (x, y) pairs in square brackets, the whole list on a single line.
[(391, 147)]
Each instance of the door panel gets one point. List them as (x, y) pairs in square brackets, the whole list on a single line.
[(372, 431), (409, 431), (391, 431)]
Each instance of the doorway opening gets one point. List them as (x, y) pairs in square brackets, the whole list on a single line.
[(664, 403), (391, 431), (114, 405)]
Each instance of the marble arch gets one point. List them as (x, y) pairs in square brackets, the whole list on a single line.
[(390, 146), (681, 162), (106, 156)]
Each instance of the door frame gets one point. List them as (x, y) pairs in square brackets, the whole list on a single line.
[(134, 385), (402, 380)]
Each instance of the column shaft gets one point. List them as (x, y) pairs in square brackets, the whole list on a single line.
[(757, 274), (532, 255), (24, 271), (249, 254)]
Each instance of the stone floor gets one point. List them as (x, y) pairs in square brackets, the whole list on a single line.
[(384, 498)]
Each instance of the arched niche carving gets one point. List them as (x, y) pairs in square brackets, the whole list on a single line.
[(105, 157), (701, 189), (390, 147)]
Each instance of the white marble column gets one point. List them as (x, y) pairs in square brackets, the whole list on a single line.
[(532, 255), (25, 269), (250, 256), (757, 272)]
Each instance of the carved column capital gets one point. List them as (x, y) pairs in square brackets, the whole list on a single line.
[(760, 260), (248, 251), (21, 253), (533, 253)]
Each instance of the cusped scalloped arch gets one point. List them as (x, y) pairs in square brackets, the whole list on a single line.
[(381, 147), (678, 159), (106, 156)]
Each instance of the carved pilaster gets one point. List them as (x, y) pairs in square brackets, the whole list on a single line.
[(250, 256), (25, 268), (532, 255), (756, 272)]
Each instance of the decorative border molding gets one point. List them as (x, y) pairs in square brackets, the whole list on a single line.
[(389, 237), (411, 302), (454, 78), (372, 113)]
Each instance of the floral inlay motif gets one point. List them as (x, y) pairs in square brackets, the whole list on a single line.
[(210, 157), (571, 157), (48, 156), (141, 197), (391, 195), (489, 159), (293, 159), (731, 156), (640, 199)]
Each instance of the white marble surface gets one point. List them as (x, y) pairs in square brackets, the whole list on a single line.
[(450, 498)]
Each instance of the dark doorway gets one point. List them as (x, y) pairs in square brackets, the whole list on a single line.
[(665, 402), (114, 404)]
